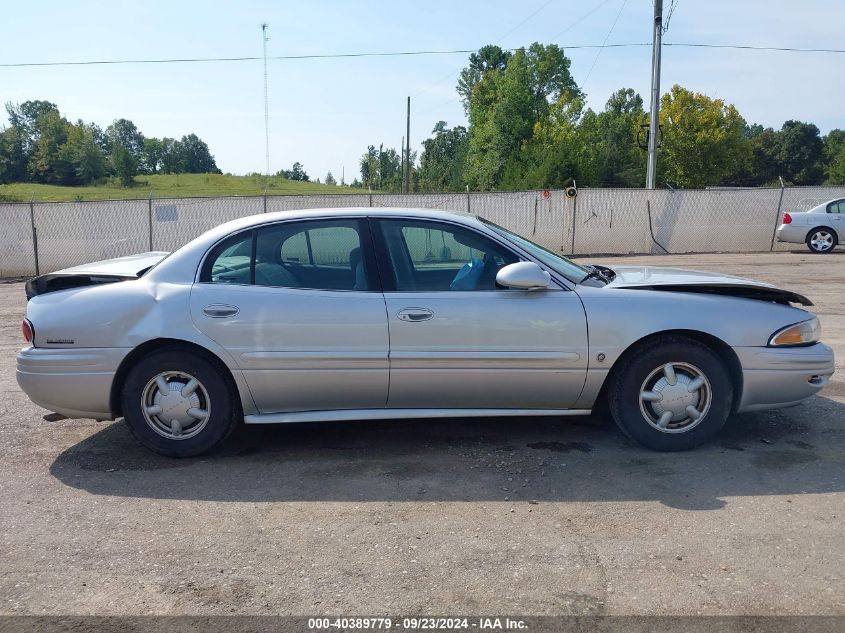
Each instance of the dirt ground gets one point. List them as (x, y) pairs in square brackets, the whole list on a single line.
[(520, 516)]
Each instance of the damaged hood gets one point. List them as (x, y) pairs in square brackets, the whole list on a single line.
[(682, 280), (102, 272)]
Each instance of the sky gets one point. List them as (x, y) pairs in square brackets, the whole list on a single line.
[(324, 112)]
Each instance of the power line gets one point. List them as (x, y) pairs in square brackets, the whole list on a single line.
[(579, 20), (536, 11), (744, 47), (451, 73), (606, 37), (672, 6), (191, 60)]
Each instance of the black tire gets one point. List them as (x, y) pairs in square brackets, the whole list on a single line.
[(809, 240), (223, 414), (641, 364)]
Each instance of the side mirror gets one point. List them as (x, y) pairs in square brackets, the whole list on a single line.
[(523, 276)]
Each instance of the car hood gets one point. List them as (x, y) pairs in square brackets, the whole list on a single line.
[(683, 280), (95, 273)]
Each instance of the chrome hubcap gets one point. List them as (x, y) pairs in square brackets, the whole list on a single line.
[(821, 240), (675, 397), (175, 405)]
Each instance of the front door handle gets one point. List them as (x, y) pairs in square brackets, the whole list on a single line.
[(415, 314), (220, 310)]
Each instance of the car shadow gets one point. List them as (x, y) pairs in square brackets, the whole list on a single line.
[(531, 460)]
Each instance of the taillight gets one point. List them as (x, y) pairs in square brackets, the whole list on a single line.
[(787, 219), (26, 329)]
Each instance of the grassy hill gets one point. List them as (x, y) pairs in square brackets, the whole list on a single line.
[(169, 186)]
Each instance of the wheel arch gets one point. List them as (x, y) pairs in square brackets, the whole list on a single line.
[(156, 344), (724, 351)]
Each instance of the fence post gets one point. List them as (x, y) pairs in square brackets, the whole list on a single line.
[(371, 194), (150, 220), (777, 217), (34, 236), (468, 199), (265, 202), (574, 209)]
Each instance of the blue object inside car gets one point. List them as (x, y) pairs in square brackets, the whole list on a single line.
[(468, 276)]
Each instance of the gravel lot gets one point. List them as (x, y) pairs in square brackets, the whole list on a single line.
[(522, 516)]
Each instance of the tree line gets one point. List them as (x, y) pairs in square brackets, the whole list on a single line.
[(40, 145), (528, 128)]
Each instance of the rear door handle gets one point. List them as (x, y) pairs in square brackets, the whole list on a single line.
[(220, 310), (415, 314)]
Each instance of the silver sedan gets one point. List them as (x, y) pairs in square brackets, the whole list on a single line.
[(347, 314), (821, 228)]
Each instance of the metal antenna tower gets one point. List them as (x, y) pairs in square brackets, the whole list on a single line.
[(264, 39)]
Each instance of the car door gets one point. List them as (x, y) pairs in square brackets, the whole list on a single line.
[(458, 341), (298, 306)]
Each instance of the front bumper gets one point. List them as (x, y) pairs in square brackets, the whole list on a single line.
[(781, 377), (74, 382), (792, 233)]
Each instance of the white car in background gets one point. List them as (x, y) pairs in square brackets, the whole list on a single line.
[(820, 228)]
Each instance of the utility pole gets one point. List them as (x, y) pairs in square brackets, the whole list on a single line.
[(408, 150), (264, 39), (654, 121), (402, 145)]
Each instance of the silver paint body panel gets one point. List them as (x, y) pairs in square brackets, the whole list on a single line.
[(299, 355)]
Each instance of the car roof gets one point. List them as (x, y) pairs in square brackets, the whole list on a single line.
[(357, 212), (330, 212)]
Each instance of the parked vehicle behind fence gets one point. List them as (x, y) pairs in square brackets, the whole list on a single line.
[(820, 228)]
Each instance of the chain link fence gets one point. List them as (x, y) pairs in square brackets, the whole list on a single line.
[(38, 238)]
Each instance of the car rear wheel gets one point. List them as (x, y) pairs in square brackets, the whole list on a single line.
[(822, 240), (673, 394), (178, 404)]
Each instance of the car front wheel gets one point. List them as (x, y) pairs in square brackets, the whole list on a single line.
[(178, 404), (822, 240), (671, 395)]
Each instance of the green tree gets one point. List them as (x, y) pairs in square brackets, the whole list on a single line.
[(550, 76), (83, 154), (382, 169), (123, 132), (501, 118), (124, 164), (553, 156), (703, 140), (488, 58), (171, 156), (13, 156), (608, 139), (196, 157), (296, 172), (24, 118), (152, 156), (764, 167), (369, 168), (330, 179), (443, 159), (834, 157), (799, 153), (48, 162)]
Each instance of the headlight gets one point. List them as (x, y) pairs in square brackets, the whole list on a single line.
[(804, 333)]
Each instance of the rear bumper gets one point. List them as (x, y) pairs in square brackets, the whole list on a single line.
[(791, 233), (74, 382), (774, 378)]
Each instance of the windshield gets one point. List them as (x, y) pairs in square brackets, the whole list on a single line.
[(559, 264)]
